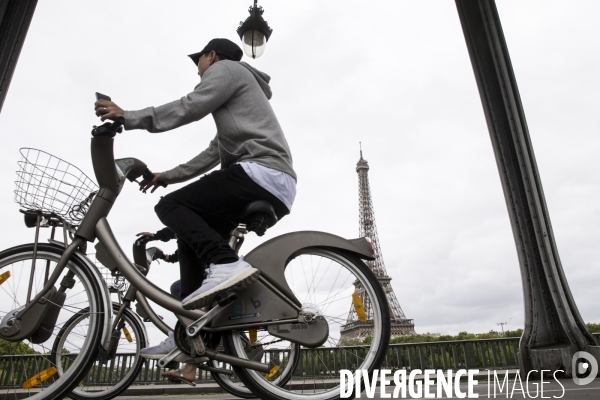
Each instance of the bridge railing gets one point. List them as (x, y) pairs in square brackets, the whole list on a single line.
[(455, 355), (480, 354)]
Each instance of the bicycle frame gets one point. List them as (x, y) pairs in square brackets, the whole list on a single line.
[(281, 307), (270, 258)]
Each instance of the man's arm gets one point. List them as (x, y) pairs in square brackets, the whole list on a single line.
[(217, 86), (164, 235), (198, 165), (172, 258)]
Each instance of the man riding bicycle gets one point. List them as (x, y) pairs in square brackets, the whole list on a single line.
[(255, 159)]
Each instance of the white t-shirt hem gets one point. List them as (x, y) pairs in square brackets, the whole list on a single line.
[(278, 183)]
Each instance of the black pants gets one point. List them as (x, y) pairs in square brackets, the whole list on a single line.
[(203, 214), (191, 270)]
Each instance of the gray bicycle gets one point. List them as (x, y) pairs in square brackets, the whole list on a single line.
[(280, 335), (108, 380)]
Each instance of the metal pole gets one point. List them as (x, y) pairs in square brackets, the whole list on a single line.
[(15, 17), (554, 330)]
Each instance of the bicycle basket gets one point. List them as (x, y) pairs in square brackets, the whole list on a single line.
[(115, 281), (52, 185)]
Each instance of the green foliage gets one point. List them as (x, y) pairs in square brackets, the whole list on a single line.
[(14, 348), (461, 336), (593, 327), (354, 342), (441, 338), (515, 333)]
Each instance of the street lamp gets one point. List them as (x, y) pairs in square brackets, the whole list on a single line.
[(254, 32), (501, 324)]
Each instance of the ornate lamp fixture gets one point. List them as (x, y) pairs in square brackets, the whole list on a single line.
[(254, 32)]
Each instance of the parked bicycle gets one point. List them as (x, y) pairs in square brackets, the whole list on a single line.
[(275, 333), (108, 380)]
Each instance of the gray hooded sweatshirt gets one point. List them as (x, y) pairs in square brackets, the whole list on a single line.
[(237, 96)]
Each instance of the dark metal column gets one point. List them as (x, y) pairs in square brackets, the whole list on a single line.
[(15, 17), (554, 329)]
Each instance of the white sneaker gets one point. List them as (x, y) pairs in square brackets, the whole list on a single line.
[(236, 275), (158, 352)]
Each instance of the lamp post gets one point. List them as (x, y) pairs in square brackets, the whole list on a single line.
[(254, 32), (501, 324)]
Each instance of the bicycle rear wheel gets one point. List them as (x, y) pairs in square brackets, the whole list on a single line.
[(324, 279), (106, 381), (27, 369)]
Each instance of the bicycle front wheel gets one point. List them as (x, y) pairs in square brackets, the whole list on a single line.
[(27, 369), (105, 381), (326, 280), (230, 383), (282, 367)]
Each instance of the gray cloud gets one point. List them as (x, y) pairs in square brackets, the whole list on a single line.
[(393, 75)]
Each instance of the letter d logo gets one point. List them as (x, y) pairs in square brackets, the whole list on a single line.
[(590, 365)]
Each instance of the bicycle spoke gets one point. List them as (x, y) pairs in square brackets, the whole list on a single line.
[(325, 281), (33, 358)]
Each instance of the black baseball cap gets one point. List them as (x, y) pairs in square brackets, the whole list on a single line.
[(223, 47)]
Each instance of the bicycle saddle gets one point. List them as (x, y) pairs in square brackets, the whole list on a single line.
[(258, 216)]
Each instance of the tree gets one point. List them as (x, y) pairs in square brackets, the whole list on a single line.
[(13, 348)]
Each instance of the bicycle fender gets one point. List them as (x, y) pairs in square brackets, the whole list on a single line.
[(106, 300), (263, 301), (272, 256)]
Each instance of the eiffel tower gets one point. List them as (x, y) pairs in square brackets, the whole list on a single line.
[(355, 329)]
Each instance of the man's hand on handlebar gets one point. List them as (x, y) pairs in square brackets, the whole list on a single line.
[(153, 183), (108, 110), (148, 235), (160, 255), (144, 237)]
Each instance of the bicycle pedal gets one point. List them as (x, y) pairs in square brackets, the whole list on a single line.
[(225, 297), (176, 379), (172, 365)]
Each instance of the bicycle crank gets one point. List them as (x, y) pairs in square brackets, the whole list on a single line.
[(191, 346)]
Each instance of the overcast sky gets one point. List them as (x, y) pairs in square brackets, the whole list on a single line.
[(394, 75)]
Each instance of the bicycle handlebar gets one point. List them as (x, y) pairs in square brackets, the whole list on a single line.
[(109, 129), (110, 177), (149, 175)]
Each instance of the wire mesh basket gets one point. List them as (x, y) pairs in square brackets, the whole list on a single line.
[(52, 185)]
